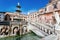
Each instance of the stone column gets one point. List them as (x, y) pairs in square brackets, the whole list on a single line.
[(46, 30), (49, 32), (24, 30), (12, 18), (12, 29), (53, 33), (20, 29), (40, 27)]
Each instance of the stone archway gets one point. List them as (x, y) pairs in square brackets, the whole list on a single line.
[(24, 29), (16, 31)]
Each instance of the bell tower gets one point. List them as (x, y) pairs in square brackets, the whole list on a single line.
[(18, 8)]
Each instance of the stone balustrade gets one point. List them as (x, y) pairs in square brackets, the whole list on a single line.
[(42, 27)]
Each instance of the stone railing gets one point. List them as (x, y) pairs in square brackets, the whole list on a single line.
[(43, 27)]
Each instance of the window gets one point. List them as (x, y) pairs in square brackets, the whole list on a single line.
[(31, 17), (55, 6), (45, 9), (35, 14)]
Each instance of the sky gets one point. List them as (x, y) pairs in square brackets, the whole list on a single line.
[(26, 5)]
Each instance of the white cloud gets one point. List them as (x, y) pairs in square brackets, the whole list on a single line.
[(28, 12), (31, 11)]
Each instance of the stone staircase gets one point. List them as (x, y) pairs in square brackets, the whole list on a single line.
[(41, 29), (50, 37)]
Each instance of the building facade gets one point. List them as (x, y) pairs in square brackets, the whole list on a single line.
[(13, 23), (47, 13), (2, 16)]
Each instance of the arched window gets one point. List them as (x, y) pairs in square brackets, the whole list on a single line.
[(50, 8), (7, 17), (15, 29)]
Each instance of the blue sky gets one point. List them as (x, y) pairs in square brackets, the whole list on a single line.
[(26, 5)]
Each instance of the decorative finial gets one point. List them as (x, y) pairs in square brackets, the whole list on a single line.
[(18, 3)]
